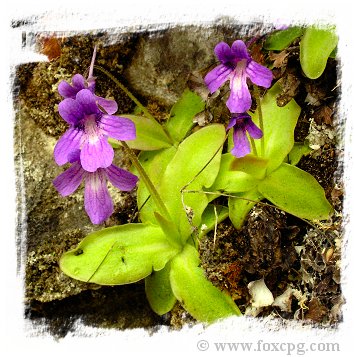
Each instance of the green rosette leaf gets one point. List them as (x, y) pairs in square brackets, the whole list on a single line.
[(240, 205), (297, 192), (194, 166), (198, 295), (182, 113), (279, 40), (158, 291), (239, 175), (298, 150), (212, 215), (118, 255), (279, 126), (154, 163), (316, 46), (150, 135)]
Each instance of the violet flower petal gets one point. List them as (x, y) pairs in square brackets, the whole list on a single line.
[(109, 105), (232, 122), (96, 154), (239, 100), (241, 143), (70, 141), (74, 156), (118, 128), (71, 111), (87, 100), (240, 51), (68, 181), (97, 200), (253, 130), (223, 52), (217, 77), (78, 82), (120, 178), (259, 75), (66, 90)]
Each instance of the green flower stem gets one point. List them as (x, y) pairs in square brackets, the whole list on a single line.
[(133, 98), (261, 122), (151, 188), (253, 146)]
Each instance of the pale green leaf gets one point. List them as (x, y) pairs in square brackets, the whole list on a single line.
[(279, 126), (281, 39), (170, 229), (194, 166), (154, 163), (118, 255), (231, 180), (150, 135), (182, 114), (316, 46), (212, 215), (298, 150), (297, 192), (240, 205), (198, 296), (158, 290), (252, 165)]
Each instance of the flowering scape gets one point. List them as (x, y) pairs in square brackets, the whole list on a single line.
[(85, 145), (237, 66)]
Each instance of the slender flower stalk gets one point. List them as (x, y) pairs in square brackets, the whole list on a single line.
[(150, 186), (78, 83), (260, 114)]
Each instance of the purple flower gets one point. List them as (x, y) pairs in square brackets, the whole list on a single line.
[(241, 124), (78, 83), (98, 202), (89, 131), (237, 66)]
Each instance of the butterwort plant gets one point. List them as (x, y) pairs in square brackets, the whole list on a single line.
[(163, 247), (181, 172)]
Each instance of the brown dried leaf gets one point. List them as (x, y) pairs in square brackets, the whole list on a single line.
[(50, 47), (289, 84), (279, 58), (323, 115), (337, 192), (256, 53), (316, 311), (336, 312), (196, 83), (315, 93)]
